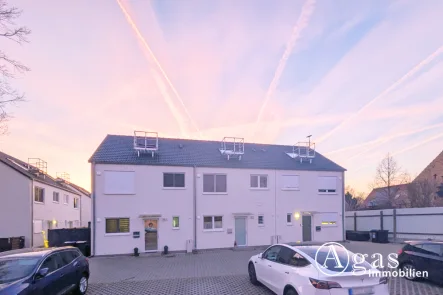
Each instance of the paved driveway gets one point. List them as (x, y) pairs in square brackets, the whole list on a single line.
[(218, 272)]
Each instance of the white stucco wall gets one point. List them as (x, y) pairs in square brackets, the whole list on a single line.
[(15, 209), (150, 198), (85, 208), (273, 202), (49, 211)]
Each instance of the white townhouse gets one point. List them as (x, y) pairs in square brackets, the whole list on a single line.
[(151, 192), (32, 201)]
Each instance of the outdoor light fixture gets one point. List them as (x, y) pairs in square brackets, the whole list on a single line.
[(54, 222), (297, 216)]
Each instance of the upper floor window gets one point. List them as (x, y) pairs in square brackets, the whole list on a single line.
[(66, 199), (173, 180), (76, 200), (39, 194), (55, 197), (290, 182), (327, 184), (214, 183), (119, 182), (259, 181)]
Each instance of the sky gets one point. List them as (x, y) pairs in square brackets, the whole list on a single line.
[(362, 77)]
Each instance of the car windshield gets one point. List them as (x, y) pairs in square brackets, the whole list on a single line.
[(17, 268), (327, 259)]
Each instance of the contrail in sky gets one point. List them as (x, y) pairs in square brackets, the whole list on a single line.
[(408, 75), (302, 21), (157, 63), (382, 139)]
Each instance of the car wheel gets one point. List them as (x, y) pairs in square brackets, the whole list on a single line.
[(290, 291), (409, 269), (82, 285), (252, 275)]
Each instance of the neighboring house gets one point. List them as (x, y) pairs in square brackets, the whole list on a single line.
[(32, 201), (151, 192), (433, 173), (379, 198), (85, 203)]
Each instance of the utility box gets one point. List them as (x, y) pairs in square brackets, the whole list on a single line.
[(189, 246)]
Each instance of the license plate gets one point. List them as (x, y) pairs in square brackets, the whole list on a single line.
[(361, 291)]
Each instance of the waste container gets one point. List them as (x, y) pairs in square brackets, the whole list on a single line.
[(382, 236), (83, 246), (373, 235)]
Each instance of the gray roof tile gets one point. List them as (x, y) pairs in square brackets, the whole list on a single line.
[(118, 149)]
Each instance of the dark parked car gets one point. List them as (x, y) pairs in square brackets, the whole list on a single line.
[(422, 256), (61, 270)]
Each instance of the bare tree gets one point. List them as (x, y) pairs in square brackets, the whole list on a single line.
[(421, 193), (8, 66), (388, 178), (353, 200)]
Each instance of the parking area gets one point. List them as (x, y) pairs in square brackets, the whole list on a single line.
[(217, 272)]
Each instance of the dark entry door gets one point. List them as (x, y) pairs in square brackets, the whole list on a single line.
[(307, 229)]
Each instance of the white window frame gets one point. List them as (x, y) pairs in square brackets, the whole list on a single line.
[(119, 233), (43, 195), (215, 184), (58, 197), (76, 201), (290, 215), (290, 188), (259, 187), (178, 218), (66, 199), (327, 219), (213, 223), (174, 187), (327, 190), (263, 220)]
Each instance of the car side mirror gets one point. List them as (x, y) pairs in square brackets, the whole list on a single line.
[(42, 272), (260, 255)]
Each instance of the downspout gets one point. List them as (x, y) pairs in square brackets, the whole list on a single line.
[(32, 214), (93, 207), (343, 207), (275, 205), (195, 205)]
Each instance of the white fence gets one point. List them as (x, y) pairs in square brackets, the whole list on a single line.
[(403, 224)]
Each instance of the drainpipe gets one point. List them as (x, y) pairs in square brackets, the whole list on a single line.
[(32, 214), (93, 206), (343, 207), (195, 205), (275, 205)]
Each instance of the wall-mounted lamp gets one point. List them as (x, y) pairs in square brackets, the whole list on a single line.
[(297, 216)]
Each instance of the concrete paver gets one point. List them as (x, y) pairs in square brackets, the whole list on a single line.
[(218, 272)]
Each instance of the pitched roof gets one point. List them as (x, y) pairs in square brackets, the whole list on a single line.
[(378, 197), (80, 189), (434, 171), (22, 168), (119, 149)]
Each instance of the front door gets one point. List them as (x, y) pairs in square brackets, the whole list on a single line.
[(307, 229), (151, 234), (240, 231)]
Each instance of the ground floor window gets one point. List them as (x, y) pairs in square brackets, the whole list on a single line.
[(212, 222), (175, 222), (289, 218), (261, 220), (117, 225)]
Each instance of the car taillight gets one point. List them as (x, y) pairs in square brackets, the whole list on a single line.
[(400, 251), (383, 280), (324, 284)]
